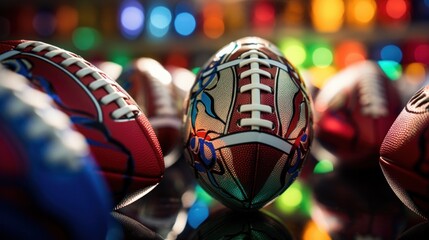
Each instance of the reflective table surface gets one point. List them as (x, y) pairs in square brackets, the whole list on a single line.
[(323, 203)]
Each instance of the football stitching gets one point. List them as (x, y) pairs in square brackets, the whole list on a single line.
[(255, 59), (373, 96), (419, 103), (125, 111)]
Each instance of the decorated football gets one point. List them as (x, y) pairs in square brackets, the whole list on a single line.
[(49, 186), (120, 137), (353, 113), (150, 85), (404, 157), (248, 124)]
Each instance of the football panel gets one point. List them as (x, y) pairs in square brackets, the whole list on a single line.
[(408, 186)]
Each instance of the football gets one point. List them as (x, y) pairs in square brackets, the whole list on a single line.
[(404, 158), (248, 124), (353, 113), (150, 85), (120, 136), (49, 185)]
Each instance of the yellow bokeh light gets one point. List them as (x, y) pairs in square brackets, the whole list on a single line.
[(321, 74), (294, 50), (312, 231), (364, 11), (327, 15), (416, 72)]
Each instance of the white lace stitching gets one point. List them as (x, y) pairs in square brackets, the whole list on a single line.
[(100, 82), (373, 96), (255, 59)]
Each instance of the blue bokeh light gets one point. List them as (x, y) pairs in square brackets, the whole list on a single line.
[(131, 19), (391, 52), (157, 32), (198, 212), (160, 17), (159, 21), (184, 23)]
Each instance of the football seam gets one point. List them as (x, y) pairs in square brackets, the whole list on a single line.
[(124, 110), (255, 87)]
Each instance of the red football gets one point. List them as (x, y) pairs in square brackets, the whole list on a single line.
[(353, 113), (404, 156), (150, 84), (248, 124), (121, 138)]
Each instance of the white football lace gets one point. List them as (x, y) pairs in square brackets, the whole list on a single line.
[(255, 59), (124, 110), (163, 101), (372, 96)]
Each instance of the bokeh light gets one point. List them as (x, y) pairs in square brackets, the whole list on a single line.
[(391, 52), (67, 20), (86, 38), (321, 55), (421, 53), (290, 199), (392, 69), (234, 16), (294, 51), (416, 72), (361, 13), (321, 75), (312, 231), (202, 195), (393, 12), (396, 9), (323, 166), (294, 12), (349, 52), (213, 24), (159, 21), (131, 19), (198, 212), (195, 70), (263, 16), (120, 56), (184, 23), (327, 15)]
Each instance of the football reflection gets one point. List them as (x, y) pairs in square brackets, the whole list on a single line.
[(228, 224)]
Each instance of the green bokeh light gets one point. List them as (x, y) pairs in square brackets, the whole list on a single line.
[(195, 70), (294, 50), (392, 69), (85, 38), (121, 57), (322, 57), (202, 195), (323, 166), (296, 198)]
